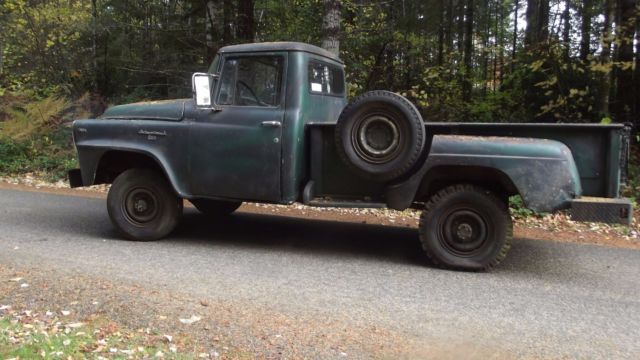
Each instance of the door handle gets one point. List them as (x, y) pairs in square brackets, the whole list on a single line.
[(271, 123)]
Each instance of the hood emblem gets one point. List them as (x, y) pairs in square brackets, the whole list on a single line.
[(155, 133)]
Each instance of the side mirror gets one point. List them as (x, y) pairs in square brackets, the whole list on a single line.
[(202, 86)]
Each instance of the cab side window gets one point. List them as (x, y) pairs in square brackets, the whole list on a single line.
[(251, 81), (325, 79)]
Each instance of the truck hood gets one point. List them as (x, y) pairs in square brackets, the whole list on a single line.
[(170, 110)]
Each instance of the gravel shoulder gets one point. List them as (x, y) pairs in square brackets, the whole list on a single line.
[(222, 329)]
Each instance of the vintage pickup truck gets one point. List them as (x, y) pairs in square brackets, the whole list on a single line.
[(270, 122)]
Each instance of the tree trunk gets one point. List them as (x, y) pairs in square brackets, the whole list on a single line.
[(624, 94), (227, 33), (449, 30), (566, 31), (537, 16), (543, 22), (467, 84), (212, 25), (515, 35), (1, 56), (485, 43), (531, 16), (331, 26), (585, 30), (460, 24), (246, 22), (441, 34), (94, 43), (602, 102), (636, 73)]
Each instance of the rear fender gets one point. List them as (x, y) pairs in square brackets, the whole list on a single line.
[(543, 172)]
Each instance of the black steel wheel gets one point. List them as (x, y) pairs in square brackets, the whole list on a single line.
[(381, 135), (142, 205), (466, 227), (215, 208)]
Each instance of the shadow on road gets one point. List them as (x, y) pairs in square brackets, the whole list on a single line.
[(286, 234), (86, 220)]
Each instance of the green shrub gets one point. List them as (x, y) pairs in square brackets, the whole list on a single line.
[(35, 136), (517, 208)]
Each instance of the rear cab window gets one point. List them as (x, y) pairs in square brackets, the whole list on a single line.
[(325, 79)]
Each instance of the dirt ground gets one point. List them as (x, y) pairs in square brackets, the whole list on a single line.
[(551, 227)]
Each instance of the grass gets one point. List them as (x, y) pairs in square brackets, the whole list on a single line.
[(47, 337)]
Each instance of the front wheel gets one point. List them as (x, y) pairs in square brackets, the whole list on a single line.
[(142, 205), (466, 227)]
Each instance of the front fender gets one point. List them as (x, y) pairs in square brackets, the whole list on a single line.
[(94, 138), (89, 156), (543, 171)]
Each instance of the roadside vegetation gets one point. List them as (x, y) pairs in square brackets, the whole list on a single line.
[(35, 133), (31, 335)]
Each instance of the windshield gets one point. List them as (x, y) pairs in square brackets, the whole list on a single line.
[(214, 68)]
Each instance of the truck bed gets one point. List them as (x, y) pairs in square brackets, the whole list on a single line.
[(600, 153)]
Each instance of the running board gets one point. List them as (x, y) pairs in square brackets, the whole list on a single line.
[(308, 198), (324, 202)]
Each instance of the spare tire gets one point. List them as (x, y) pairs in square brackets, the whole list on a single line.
[(380, 135)]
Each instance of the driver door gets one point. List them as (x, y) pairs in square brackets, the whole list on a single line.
[(236, 151)]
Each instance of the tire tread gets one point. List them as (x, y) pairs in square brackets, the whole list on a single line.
[(415, 118), (449, 191)]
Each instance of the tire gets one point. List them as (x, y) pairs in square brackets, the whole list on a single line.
[(380, 135), (216, 208), (466, 227), (142, 205)]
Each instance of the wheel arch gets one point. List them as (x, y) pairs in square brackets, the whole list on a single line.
[(107, 164), (432, 178), (439, 177)]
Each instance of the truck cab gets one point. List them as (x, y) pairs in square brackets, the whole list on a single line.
[(270, 122)]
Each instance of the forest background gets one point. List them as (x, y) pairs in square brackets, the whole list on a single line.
[(458, 60)]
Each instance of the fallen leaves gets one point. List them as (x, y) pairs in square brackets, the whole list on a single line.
[(43, 333), (191, 320)]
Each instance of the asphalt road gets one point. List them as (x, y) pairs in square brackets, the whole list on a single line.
[(545, 300)]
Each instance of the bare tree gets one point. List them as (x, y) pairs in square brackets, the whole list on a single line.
[(213, 16), (468, 51), (246, 21), (624, 76), (602, 101), (585, 30), (94, 46), (331, 26)]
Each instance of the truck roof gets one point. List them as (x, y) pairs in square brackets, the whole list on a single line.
[(279, 46)]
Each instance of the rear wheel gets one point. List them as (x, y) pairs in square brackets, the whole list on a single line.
[(142, 205), (466, 227), (215, 208)]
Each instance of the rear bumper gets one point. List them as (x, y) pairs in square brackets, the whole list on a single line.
[(75, 178), (606, 210)]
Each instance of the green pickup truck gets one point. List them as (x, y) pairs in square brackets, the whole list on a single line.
[(270, 123)]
